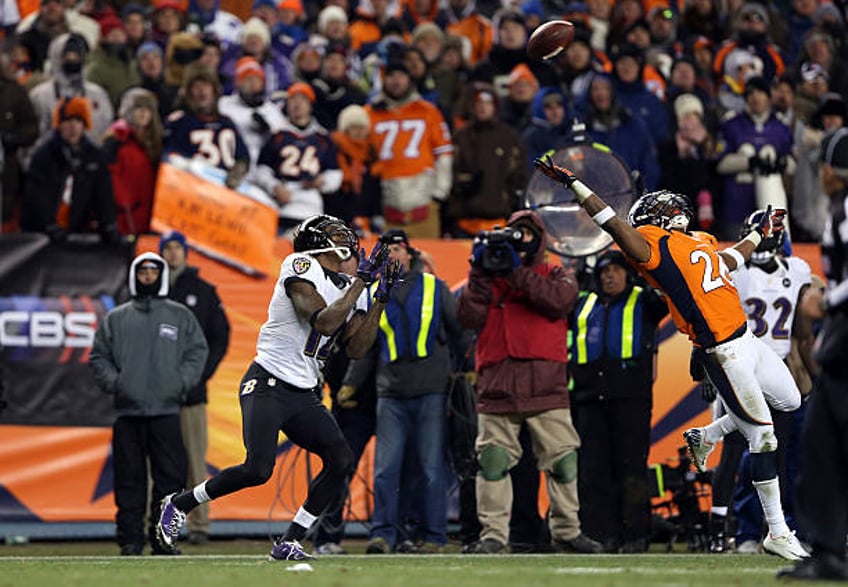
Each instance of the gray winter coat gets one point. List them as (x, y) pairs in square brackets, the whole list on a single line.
[(46, 95), (148, 352)]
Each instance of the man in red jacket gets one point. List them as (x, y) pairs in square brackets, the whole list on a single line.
[(519, 308)]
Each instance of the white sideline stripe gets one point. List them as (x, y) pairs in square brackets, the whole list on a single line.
[(264, 556), (93, 558), (648, 571)]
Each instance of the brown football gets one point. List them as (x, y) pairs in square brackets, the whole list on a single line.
[(550, 39)]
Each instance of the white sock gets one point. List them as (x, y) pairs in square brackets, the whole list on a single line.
[(718, 429), (719, 510), (304, 518), (200, 494), (769, 492)]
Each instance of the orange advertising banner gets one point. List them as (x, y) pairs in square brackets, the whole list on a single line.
[(220, 222), (64, 473)]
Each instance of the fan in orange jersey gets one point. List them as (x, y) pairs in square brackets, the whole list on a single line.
[(695, 277), (414, 152)]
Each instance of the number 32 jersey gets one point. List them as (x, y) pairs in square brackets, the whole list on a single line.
[(288, 347), (698, 288), (771, 299)]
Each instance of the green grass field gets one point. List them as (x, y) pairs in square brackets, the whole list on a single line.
[(243, 563)]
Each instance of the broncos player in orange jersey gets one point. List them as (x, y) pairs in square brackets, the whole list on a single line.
[(695, 277)]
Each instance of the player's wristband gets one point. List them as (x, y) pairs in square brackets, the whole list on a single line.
[(581, 190), (603, 216), (754, 237), (736, 255)]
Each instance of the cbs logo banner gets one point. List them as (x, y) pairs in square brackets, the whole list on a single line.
[(50, 330)]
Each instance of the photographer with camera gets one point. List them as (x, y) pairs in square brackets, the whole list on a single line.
[(614, 345), (519, 305)]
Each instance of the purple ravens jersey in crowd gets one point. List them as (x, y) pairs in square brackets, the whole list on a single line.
[(299, 154), (739, 193), (214, 140)]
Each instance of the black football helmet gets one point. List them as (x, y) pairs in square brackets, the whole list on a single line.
[(324, 234), (663, 208), (768, 247)]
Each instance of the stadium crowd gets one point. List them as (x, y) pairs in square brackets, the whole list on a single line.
[(416, 116)]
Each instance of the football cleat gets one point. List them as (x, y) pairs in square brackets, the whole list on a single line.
[(787, 546), (698, 448), (170, 523), (289, 550)]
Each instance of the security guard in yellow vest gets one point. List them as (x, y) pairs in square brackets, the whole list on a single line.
[(612, 365), (418, 330)]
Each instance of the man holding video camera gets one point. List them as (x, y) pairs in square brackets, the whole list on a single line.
[(518, 304)]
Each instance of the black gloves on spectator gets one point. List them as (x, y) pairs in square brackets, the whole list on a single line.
[(766, 167)]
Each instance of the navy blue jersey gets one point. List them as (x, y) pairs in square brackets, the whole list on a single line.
[(215, 140), (299, 154)]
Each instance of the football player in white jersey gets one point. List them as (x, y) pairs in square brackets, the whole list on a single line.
[(314, 310), (770, 286)]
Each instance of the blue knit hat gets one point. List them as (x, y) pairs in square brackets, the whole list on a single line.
[(172, 236), (148, 47)]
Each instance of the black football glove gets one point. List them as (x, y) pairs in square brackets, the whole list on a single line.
[(391, 276), (771, 222), (370, 265), (547, 166)]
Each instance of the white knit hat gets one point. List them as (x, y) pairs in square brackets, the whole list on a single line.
[(257, 27), (328, 15), (353, 115), (688, 103)]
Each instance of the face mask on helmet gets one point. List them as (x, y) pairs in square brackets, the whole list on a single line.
[(664, 209), (768, 247), (325, 234)]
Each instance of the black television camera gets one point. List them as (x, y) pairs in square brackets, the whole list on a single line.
[(680, 516), (499, 247)]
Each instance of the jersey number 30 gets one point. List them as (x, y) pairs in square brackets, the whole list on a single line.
[(215, 154)]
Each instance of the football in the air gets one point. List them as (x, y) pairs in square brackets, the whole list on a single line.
[(550, 39)]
